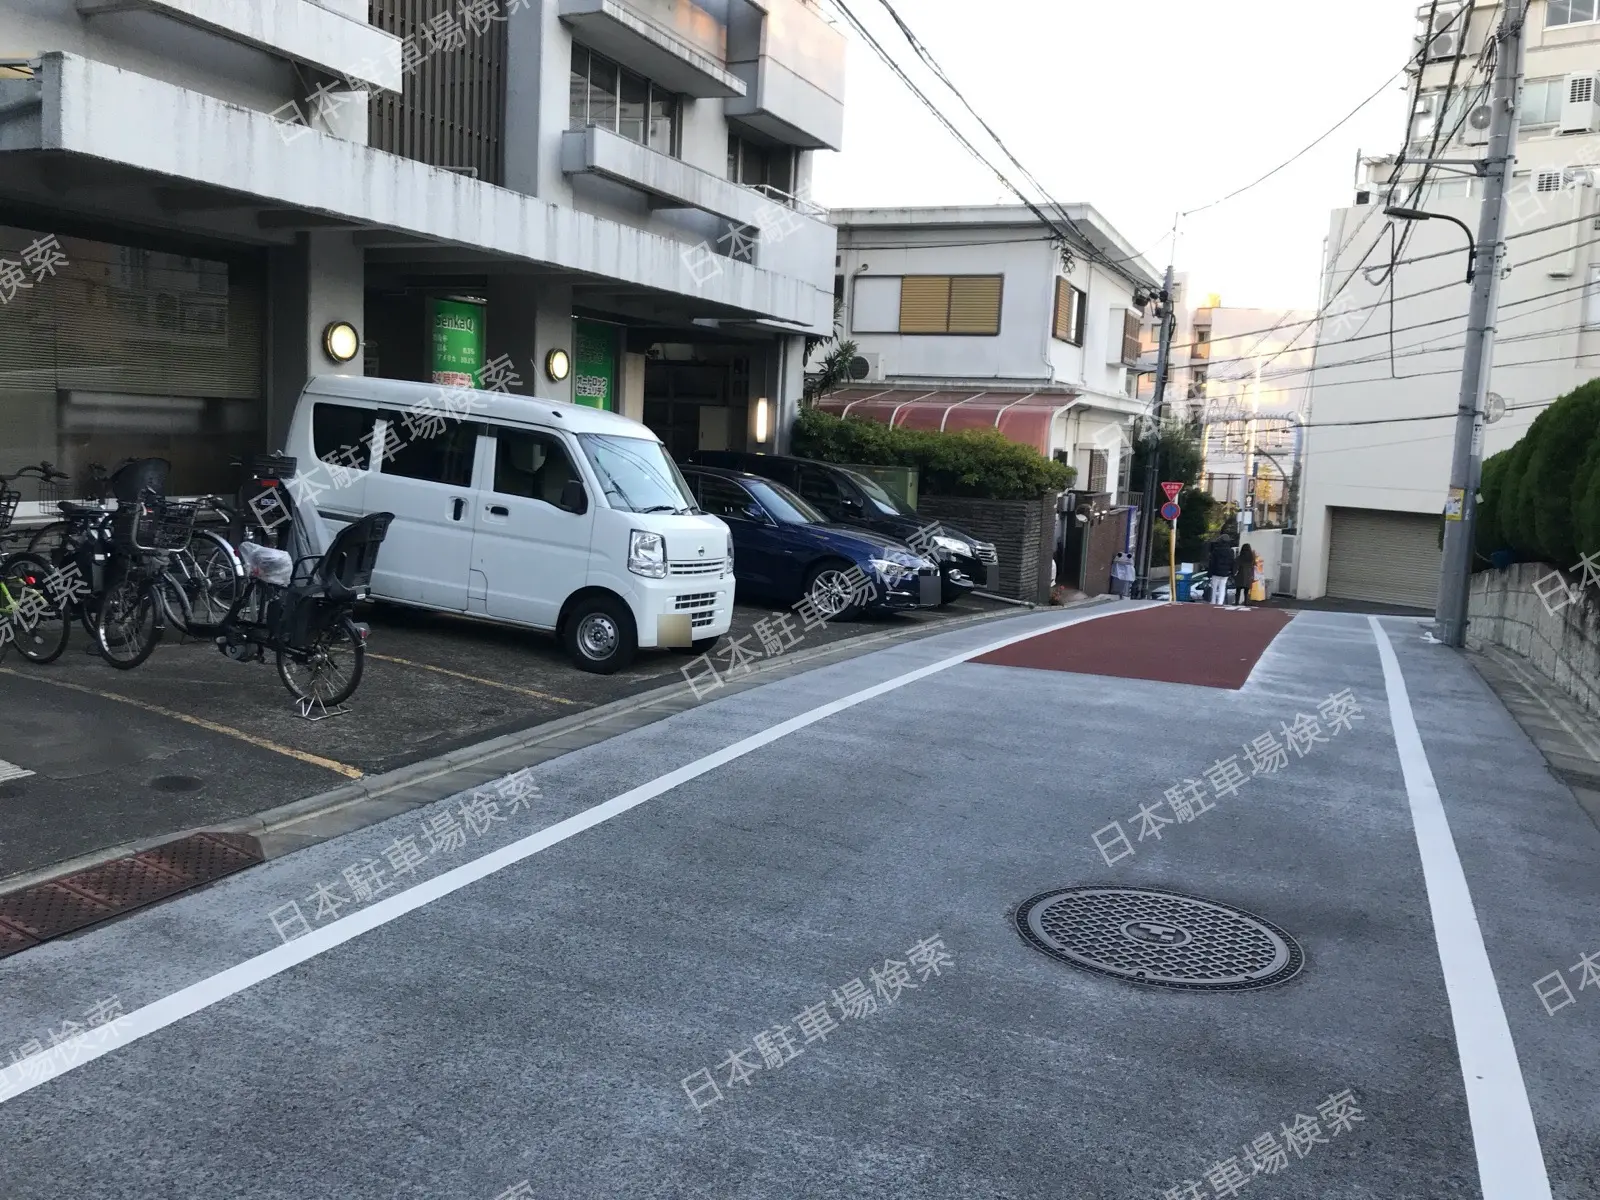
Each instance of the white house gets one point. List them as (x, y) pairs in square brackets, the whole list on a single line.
[(973, 318), (1389, 347), (605, 196)]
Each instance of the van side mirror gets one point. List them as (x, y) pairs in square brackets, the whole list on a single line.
[(573, 497)]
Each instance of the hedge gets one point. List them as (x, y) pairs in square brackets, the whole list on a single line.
[(1541, 498), (981, 463)]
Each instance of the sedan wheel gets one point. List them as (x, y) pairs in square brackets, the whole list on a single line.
[(832, 593)]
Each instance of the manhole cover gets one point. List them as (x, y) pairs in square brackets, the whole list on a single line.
[(176, 783), (1165, 939)]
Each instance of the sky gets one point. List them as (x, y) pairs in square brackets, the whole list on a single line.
[(1141, 110)]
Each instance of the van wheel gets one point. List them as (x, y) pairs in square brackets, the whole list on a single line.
[(599, 635)]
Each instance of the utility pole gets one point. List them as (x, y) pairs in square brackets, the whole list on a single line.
[(1455, 579), (1152, 452)]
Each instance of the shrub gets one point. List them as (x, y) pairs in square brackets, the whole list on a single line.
[(1586, 502), (1561, 439), (1488, 534), (973, 462), (1516, 531)]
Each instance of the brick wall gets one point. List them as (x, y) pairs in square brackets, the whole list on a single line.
[(1023, 533)]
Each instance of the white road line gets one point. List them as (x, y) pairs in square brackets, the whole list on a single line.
[(1510, 1162), (89, 1045), (12, 771)]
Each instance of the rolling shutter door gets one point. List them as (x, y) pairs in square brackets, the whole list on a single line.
[(924, 303), (1384, 557)]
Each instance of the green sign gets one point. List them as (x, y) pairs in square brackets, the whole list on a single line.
[(457, 342), (594, 365)]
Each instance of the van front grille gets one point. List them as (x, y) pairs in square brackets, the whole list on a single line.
[(698, 567)]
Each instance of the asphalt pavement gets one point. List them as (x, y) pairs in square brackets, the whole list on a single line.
[(642, 974)]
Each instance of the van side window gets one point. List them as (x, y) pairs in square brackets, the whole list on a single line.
[(534, 465), (438, 451), (342, 433)]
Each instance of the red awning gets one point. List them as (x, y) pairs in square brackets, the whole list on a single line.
[(1023, 417)]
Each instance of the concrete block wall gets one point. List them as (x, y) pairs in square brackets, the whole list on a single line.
[(1023, 533), (1561, 641)]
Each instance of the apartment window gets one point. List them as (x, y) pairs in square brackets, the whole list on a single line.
[(1071, 310), (761, 166), (1541, 102), (1591, 299), (604, 94), (963, 304), (1568, 12)]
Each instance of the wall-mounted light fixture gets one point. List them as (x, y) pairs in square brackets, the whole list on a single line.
[(761, 421), (556, 365), (340, 341)]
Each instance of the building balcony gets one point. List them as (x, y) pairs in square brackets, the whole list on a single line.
[(675, 43), (668, 182), (301, 31), (791, 60)]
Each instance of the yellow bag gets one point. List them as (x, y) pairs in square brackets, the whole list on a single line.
[(1258, 590)]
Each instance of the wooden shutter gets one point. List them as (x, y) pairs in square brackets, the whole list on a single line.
[(975, 304), (1063, 318), (925, 304), (1130, 339)]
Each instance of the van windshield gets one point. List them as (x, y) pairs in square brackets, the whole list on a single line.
[(636, 474)]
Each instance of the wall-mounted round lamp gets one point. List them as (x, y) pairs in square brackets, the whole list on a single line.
[(556, 365), (340, 341)]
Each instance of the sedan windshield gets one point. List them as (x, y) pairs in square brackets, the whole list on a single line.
[(786, 508), (882, 500), (636, 474)]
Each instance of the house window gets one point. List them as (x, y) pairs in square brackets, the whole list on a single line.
[(1591, 299), (1130, 338), (1568, 12), (1071, 308), (1099, 460), (1541, 102), (766, 167), (965, 304), (604, 94)]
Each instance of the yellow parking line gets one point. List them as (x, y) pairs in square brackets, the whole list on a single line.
[(494, 683), (227, 730)]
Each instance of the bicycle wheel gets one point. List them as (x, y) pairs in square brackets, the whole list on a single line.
[(213, 579), (39, 628), (128, 624), (330, 671), (47, 540)]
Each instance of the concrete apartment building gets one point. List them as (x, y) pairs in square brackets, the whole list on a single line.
[(604, 196), (968, 318), (1375, 493)]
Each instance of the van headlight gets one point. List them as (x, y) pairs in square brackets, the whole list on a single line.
[(730, 557), (647, 554)]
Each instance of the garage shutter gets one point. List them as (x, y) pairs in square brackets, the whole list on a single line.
[(1384, 557)]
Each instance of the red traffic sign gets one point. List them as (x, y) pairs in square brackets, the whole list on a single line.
[(1170, 511), (1172, 490)]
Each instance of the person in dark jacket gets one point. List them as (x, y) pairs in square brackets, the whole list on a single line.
[(1220, 563), (1244, 573)]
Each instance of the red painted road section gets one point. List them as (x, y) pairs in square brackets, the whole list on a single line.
[(1197, 644)]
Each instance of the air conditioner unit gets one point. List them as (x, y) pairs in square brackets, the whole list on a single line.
[(1580, 112), (1476, 131), (866, 368), (1442, 40)]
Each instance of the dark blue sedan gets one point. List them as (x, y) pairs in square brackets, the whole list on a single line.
[(785, 550)]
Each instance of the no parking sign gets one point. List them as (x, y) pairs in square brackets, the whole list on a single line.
[(1169, 511)]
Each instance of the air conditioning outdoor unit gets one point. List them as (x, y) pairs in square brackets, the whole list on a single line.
[(1580, 112), (866, 368), (1442, 40), (1476, 131)]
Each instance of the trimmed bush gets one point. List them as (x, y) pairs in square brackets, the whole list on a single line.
[(1586, 502), (1516, 525), (980, 463), (1565, 432), (1491, 484)]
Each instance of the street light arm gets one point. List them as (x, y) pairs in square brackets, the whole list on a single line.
[(1416, 214)]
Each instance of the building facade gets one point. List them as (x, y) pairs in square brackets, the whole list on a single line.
[(1386, 374), (600, 201), (975, 318)]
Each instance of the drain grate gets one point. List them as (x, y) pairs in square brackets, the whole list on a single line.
[(202, 857), (125, 883), (1165, 939), (49, 909), (13, 940)]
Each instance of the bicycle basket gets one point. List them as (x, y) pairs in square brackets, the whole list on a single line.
[(159, 524), (9, 499)]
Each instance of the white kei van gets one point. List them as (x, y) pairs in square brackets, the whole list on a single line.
[(529, 512)]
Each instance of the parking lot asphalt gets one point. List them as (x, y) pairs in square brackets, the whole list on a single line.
[(191, 738)]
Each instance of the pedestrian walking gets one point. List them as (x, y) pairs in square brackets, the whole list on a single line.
[(1122, 574), (1244, 574), (1220, 564)]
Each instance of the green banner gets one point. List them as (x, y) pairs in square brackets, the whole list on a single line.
[(457, 343), (594, 365)]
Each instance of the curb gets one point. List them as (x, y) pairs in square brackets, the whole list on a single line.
[(464, 767)]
